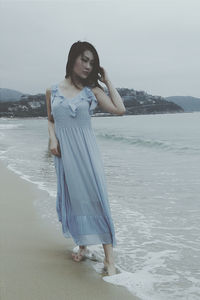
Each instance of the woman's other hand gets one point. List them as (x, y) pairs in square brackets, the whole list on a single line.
[(55, 147)]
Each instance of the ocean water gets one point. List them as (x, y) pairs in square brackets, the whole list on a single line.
[(152, 166)]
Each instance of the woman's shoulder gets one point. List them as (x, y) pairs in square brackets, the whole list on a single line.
[(48, 90), (51, 87)]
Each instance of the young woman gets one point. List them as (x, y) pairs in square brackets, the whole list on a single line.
[(82, 201)]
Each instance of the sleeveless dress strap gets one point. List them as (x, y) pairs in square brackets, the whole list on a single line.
[(54, 89), (53, 94), (92, 100)]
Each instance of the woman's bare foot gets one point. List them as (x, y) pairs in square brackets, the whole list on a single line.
[(80, 255), (109, 267), (111, 270)]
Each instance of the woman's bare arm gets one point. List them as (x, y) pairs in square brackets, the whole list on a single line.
[(54, 143), (50, 117), (113, 104)]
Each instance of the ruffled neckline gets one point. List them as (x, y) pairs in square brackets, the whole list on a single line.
[(73, 103), (69, 99)]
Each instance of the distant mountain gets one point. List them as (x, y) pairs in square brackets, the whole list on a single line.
[(140, 102), (9, 95), (188, 103), (16, 104)]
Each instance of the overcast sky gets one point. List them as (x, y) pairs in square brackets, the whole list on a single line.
[(150, 45)]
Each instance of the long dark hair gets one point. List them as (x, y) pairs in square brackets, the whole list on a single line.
[(77, 49)]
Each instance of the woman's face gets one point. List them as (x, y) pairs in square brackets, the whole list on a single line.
[(84, 64)]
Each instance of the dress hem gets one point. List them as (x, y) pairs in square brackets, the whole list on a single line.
[(90, 239)]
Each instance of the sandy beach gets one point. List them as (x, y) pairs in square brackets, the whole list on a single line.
[(35, 260)]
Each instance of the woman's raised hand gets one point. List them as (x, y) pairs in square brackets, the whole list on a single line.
[(103, 75), (55, 147)]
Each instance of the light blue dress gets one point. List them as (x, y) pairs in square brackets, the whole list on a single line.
[(82, 200)]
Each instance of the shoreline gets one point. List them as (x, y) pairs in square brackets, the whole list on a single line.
[(35, 257)]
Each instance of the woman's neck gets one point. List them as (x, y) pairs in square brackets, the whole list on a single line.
[(68, 82)]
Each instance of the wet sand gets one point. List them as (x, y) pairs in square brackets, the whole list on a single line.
[(35, 258)]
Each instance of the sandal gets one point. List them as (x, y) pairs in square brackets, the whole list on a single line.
[(78, 256)]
